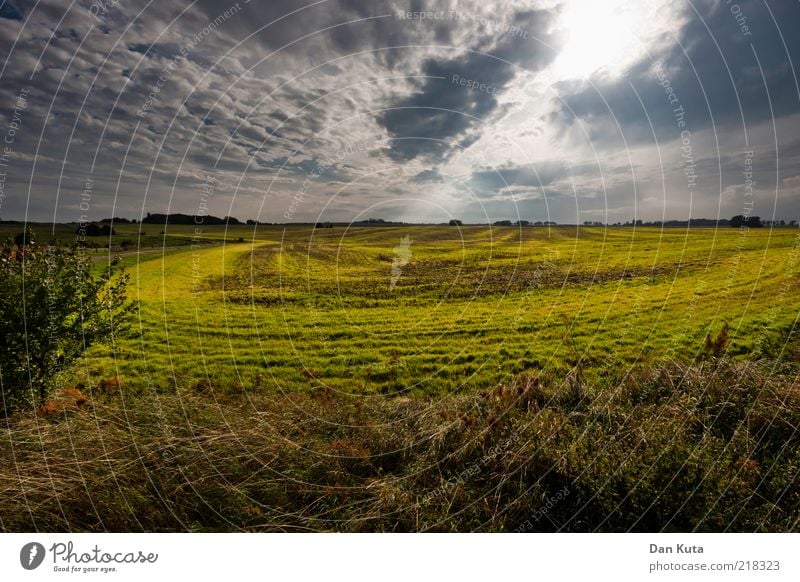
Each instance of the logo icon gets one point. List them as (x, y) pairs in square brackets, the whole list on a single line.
[(402, 255), (31, 555)]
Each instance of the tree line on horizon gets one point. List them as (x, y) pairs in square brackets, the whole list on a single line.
[(103, 227)]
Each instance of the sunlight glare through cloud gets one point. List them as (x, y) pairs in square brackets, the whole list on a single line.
[(607, 36)]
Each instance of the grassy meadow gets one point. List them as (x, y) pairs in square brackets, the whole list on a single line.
[(418, 378), (299, 308)]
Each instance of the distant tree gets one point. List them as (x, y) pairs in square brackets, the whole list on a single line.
[(49, 321), (455, 222), (751, 221), (178, 218), (501, 223)]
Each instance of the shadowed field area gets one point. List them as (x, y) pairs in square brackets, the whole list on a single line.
[(712, 447)]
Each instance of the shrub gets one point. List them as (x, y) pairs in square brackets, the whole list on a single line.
[(52, 308), (715, 346)]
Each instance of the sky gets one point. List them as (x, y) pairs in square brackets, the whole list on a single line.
[(295, 111)]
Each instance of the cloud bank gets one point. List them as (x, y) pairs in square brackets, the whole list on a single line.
[(404, 110)]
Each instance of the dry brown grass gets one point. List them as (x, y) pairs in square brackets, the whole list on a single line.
[(681, 448)]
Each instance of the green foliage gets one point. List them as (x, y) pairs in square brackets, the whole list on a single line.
[(52, 308)]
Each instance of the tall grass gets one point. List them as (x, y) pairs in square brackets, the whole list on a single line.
[(711, 446)]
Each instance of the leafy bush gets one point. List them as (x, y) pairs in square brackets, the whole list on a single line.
[(52, 308)]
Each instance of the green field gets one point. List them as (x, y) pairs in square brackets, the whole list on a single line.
[(429, 378), (296, 308)]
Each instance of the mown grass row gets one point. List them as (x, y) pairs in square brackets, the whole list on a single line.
[(321, 311), (712, 446)]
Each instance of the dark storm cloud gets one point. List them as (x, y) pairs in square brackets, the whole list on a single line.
[(768, 166), (321, 171), (553, 177), (427, 122), (460, 94), (320, 29), (491, 181), (147, 103), (165, 50), (424, 176), (138, 95), (102, 97), (9, 11)]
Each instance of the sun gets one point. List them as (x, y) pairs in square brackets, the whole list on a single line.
[(606, 36)]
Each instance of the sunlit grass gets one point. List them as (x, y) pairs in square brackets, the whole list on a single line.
[(295, 308)]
